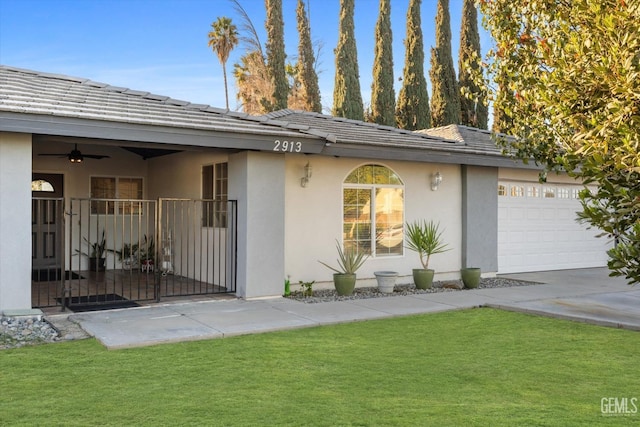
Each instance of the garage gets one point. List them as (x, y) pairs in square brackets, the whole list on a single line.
[(537, 229)]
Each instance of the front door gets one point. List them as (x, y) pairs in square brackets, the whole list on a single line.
[(46, 220)]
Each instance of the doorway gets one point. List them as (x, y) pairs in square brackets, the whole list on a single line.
[(47, 220)]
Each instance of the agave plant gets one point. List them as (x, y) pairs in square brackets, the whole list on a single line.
[(349, 260), (425, 238)]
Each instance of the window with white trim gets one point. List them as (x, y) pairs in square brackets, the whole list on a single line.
[(214, 195), (563, 193), (127, 189), (533, 191), (575, 193), (517, 191), (549, 192), (373, 211)]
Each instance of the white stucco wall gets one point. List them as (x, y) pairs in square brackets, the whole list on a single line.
[(180, 175), (313, 217), (257, 182), (284, 229), (15, 221)]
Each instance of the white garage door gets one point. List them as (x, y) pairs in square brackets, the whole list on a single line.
[(537, 229)]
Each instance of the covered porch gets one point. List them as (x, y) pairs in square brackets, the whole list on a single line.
[(92, 253)]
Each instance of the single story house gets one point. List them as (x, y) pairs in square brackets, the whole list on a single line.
[(227, 202)]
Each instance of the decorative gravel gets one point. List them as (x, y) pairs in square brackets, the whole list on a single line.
[(327, 295), (21, 331)]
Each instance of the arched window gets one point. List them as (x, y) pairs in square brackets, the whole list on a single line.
[(42, 185), (373, 211)]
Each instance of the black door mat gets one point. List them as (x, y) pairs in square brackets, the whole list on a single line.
[(97, 303), (52, 275)]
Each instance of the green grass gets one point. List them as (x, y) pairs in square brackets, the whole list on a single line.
[(477, 367)]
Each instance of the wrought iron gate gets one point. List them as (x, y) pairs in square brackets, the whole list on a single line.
[(198, 240), (120, 252)]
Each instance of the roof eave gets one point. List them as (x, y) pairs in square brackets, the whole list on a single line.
[(176, 136)]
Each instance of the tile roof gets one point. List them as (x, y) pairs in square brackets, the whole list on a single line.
[(478, 140), (26, 92), (347, 131), (452, 138), (38, 93)]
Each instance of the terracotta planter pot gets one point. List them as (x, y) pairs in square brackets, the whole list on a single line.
[(344, 283), (423, 278)]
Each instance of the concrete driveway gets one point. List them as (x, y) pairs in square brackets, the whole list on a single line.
[(587, 295)]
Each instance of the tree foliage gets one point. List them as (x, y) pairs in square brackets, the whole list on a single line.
[(445, 98), (347, 99), (223, 38), (473, 106), (383, 96), (254, 79), (254, 84), (412, 109), (275, 54), (308, 78), (570, 77)]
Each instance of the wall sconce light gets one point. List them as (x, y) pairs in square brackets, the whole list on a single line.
[(436, 180), (307, 174)]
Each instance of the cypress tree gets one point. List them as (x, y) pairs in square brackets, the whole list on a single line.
[(383, 97), (502, 121), (347, 99), (445, 98), (473, 111), (412, 110), (275, 53), (306, 62), (482, 111)]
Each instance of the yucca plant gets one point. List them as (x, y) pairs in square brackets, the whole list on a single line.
[(349, 260), (425, 238)]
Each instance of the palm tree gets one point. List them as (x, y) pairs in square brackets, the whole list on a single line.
[(222, 39)]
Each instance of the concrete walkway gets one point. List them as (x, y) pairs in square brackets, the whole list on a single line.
[(587, 295)]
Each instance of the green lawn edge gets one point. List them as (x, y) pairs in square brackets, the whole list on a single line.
[(471, 367)]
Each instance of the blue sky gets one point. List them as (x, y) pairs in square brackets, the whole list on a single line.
[(160, 46)]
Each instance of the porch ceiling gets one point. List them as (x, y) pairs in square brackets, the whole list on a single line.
[(143, 149)]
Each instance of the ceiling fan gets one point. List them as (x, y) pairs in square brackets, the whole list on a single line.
[(75, 156)]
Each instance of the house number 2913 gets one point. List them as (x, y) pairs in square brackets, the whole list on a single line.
[(287, 146)]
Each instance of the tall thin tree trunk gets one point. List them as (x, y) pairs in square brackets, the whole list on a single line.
[(226, 89)]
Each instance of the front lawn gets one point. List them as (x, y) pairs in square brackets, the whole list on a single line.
[(476, 367)]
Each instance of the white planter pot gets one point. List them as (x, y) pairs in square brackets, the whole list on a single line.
[(386, 280)]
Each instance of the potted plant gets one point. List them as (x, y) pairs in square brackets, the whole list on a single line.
[(425, 238), (128, 255), (147, 254), (97, 254), (470, 277), (349, 261)]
